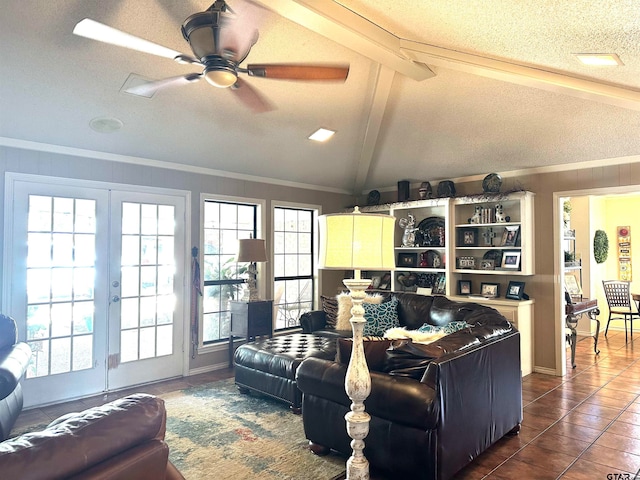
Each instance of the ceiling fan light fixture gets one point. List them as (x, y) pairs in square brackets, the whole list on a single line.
[(599, 59), (220, 77), (204, 30)]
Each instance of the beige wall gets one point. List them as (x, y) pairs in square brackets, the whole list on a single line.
[(57, 165)]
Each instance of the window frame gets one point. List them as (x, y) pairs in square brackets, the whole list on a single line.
[(259, 229), (316, 211)]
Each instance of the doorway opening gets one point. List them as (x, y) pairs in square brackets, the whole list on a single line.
[(589, 210)]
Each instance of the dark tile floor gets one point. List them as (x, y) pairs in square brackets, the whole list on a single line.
[(585, 425)]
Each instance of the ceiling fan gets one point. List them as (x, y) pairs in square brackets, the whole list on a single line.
[(218, 46)]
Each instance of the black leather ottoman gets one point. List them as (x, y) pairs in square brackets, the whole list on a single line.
[(269, 366)]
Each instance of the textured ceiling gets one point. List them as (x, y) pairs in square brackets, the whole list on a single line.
[(436, 89)]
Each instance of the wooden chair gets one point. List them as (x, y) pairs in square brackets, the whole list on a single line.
[(620, 305)]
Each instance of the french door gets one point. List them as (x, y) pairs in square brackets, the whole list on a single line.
[(95, 278)]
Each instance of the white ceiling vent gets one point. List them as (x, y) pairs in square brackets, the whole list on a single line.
[(135, 80)]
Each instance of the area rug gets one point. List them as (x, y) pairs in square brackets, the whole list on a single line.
[(214, 432)]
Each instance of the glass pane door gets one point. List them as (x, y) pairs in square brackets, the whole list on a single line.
[(95, 280), (147, 305), (56, 281)]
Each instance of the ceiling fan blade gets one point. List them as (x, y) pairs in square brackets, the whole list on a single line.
[(148, 89), (299, 71), (103, 33), (251, 97)]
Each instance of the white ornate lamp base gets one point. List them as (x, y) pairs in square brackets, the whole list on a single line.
[(357, 383)]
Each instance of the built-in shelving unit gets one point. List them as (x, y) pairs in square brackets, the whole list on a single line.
[(421, 244), (453, 238), (494, 234), (466, 239)]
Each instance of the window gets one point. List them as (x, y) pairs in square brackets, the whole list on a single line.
[(223, 224), (293, 248)]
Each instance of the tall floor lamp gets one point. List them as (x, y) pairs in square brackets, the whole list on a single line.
[(357, 241)]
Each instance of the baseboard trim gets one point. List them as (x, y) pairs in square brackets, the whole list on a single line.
[(208, 368), (546, 371)]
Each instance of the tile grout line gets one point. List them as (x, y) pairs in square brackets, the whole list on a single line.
[(571, 410)]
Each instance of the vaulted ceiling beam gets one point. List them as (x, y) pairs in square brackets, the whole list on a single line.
[(382, 89), (347, 28), (556, 82)]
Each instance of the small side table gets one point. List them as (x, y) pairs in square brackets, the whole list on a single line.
[(249, 320), (574, 311)]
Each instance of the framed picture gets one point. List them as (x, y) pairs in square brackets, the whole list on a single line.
[(515, 291), (407, 260), (375, 282), (510, 235), (572, 285), (490, 290), (466, 262), (464, 287), (511, 260), (440, 285), (468, 237), (487, 264)]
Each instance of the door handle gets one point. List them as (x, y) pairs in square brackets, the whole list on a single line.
[(115, 299)]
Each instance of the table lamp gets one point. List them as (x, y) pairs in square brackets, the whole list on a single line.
[(357, 241), (252, 250)]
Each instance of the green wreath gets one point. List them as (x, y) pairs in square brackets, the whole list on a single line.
[(600, 246)]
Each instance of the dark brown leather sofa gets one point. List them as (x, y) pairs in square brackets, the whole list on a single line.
[(121, 440), (434, 408), (14, 359)]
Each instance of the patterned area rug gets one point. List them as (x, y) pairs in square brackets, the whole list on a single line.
[(214, 432)]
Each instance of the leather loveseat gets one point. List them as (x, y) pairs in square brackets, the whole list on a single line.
[(14, 359), (434, 407), (121, 440)]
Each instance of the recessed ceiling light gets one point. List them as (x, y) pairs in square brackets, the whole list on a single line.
[(106, 124), (321, 135), (599, 59)]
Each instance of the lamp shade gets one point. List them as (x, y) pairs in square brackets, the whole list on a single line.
[(358, 241), (252, 250)]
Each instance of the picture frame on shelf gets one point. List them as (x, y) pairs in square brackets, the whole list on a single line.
[(515, 291), (510, 235), (375, 282), (572, 285), (490, 290), (464, 287), (440, 285), (466, 262), (468, 237), (511, 260), (407, 260), (487, 264)]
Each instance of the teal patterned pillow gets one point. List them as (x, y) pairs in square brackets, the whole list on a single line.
[(380, 317), (450, 327)]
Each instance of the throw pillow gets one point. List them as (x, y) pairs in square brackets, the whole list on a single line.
[(344, 308), (330, 307), (450, 327), (380, 317)]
